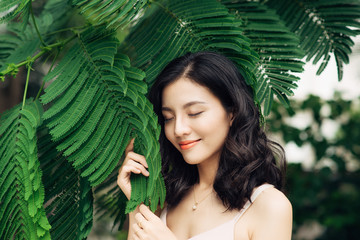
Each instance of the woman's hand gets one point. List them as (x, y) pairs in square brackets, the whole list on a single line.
[(146, 225), (149, 226), (133, 163)]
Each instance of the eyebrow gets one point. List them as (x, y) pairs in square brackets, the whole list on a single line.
[(189, 104)]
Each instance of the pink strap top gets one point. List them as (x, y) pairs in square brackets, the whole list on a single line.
[(224, 231)]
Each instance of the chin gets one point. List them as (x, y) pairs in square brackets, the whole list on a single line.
[(192, 161)]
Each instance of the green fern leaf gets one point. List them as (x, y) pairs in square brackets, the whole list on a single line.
[(17, 48), (324, 27), (68, 197), (18, 43), (114, 14), (22, 213), (100, 105), (112, 203), (277, 47), (12, 8), (186, 26)]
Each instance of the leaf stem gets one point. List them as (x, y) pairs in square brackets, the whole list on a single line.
[(27, 83), (32, 59), (66, 29), (43, 83), (35, 25)]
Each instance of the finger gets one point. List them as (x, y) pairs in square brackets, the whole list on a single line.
[(137, 158), (138, 166), (136, 230), (138, 233), (130, 146), (141, 221), (141, 234), (147, 213), (131, 169)]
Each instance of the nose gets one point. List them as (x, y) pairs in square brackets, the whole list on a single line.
[(181, 127)]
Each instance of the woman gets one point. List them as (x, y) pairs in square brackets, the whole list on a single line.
[(219, 168)]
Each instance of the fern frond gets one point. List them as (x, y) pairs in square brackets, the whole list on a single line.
[(21, 189), (11, 9), (324, 28), (16, 48), (17, 44), (277, 47), (68, 197), (111, 201), (113, 13), (187, 26), (98, 104)]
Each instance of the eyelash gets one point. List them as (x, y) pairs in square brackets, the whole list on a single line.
[(191, 115), (167, 119), (195, 114)]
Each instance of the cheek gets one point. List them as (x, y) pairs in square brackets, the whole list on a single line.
[(167, 131), (214, 123), (217, 127)]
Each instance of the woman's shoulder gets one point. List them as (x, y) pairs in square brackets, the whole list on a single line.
[(271, 200), (272, 215)]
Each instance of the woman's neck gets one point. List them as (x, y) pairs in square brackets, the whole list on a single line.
[(207, 173)]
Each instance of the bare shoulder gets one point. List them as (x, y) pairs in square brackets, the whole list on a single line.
[(272, 216), (273, 202)]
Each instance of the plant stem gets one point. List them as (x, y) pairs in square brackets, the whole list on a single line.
[(43, 83), (27, 83), (35, 25), (44, 50), (66, 29), (40, 90)]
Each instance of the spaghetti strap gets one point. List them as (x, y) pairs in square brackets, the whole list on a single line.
[(254, 195)]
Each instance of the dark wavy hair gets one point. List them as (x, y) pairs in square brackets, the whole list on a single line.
[(248, 156)]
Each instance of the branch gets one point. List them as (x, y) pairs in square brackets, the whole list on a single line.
[(27, 82), (13, 68), (43, 83), (35, 25)]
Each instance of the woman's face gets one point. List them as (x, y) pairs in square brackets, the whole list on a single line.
[(196, 122)]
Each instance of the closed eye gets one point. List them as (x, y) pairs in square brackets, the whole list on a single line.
[(195, 114), (168, 119)]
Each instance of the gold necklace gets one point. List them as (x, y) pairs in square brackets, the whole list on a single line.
[(196, 203)]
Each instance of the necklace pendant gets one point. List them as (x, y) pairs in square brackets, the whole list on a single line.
[(194, 207)]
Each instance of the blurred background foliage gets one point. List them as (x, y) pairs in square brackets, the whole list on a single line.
[(324, 189)]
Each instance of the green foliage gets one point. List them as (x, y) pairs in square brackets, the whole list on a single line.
[(277, 47), (114, 14), (96, 88), (177, 27), (327, 192), (11, 8), (17, 45), (68, 196), (323, 27), (95, 99), (21, 190), (111, 204)]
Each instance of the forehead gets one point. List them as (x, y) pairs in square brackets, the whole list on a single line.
[(184, 90)]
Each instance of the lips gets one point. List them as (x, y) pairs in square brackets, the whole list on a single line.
[(184, 145)]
